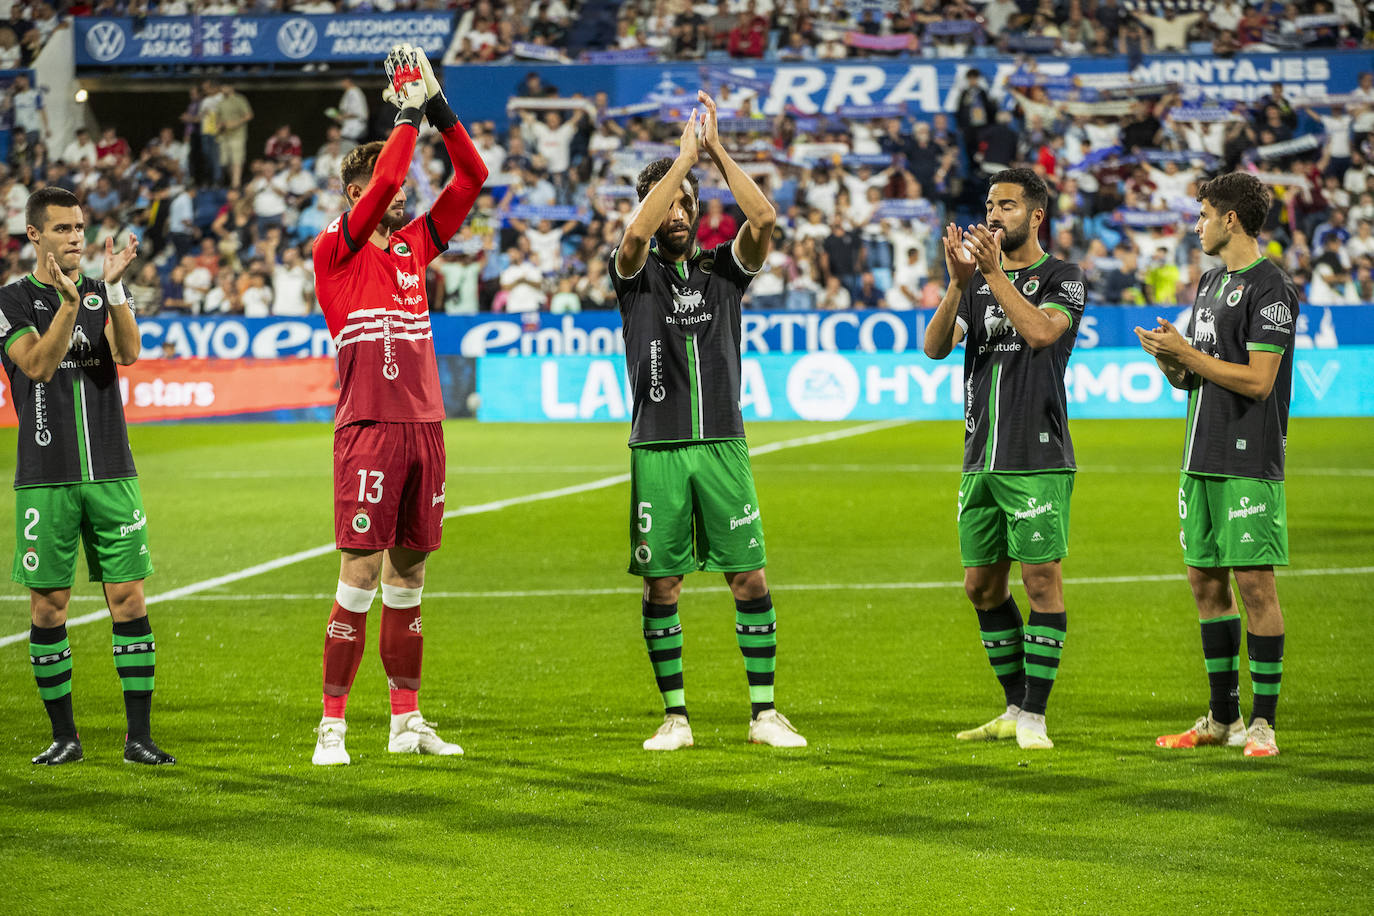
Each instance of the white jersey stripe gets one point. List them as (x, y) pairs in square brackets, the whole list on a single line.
[(362, 338)]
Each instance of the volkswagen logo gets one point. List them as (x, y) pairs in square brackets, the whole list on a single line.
[(105, 41), (297, 38)]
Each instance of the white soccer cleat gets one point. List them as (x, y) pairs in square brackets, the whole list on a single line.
[(411, 734), (1205, 731), (772, 728), (1030, 732), (1259, 740), (329, 747), (675, 733)]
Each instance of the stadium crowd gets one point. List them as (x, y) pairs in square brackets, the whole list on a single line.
[(226, 226)]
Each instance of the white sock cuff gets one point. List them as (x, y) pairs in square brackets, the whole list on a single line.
[(398, 598), (357, 600)]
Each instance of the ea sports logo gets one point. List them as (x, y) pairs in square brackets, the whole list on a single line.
[(105, 41), (297, 38), (31, 560), (361, 523)]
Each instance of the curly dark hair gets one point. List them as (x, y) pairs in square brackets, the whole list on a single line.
[(653, 173), (1033, 187), (1242, 193), (357, 166)]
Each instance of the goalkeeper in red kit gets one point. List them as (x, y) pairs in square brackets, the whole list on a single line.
[(388, 435)]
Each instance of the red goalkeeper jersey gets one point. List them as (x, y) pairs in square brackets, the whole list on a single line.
[(374, 298)]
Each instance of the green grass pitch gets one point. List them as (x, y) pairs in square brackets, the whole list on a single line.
[(534, 662)]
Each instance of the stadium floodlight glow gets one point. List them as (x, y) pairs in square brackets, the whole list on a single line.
[(81, 96)]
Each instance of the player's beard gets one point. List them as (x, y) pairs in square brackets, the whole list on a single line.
[(393, 219), (674, 249), (1013, 237)]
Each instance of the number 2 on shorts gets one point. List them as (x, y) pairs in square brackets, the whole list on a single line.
[(371, 494), (32, 515)]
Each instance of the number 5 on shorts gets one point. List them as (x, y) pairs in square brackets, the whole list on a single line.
[(646, 521)]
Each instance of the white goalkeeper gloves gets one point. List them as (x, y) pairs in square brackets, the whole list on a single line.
[(406, 87), (406, 60)]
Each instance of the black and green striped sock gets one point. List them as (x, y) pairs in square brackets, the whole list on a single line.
[(1221, 654), (134, 656), (663, 636), (1000, 629), (1266, 673), (51, 657), (1044, 642), (756, 631)]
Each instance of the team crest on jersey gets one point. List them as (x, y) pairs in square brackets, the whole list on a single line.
[(706, 265), (643, 554), (361, 522), (31, 560), (93, 302), (1234, 299), (1032, 286), (402, 249)]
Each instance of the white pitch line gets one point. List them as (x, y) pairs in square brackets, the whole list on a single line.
[(1179, 576), (194, 588)]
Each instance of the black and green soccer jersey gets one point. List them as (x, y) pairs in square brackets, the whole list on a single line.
[(682, 345), (1230, 435), (1015, 409), (71, 428)]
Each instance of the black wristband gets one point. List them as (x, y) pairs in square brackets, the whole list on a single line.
[(409, 116), (440, 115)]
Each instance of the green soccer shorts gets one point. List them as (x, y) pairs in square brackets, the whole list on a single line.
[(694, 507), (1021, 516), (107, 516), (1225, 522)]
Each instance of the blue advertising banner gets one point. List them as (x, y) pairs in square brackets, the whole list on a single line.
[(125, 42), (598, 333), (1103, 383), (920, 85)]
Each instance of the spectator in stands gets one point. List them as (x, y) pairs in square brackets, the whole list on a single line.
[(233, 113), (749, 37), (1169, 31), (196, 282), (833, 297), (145, 290), (181, 222), (716, 225), (352, 112), (81, 150), (30, 115), (283, 145), (973, 109), (103, 199), (522, 283), (564, 300), (110, 148), (1122, 284)]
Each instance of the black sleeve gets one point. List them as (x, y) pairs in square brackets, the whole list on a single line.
[(16, 315), (1064, 291), (728, 267), (1273, 316)]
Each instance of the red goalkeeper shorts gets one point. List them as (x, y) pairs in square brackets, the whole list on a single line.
[(389, 486)]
